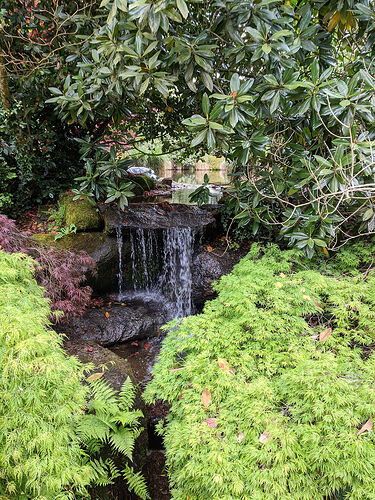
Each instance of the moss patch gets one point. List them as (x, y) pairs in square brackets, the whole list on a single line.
[(89, 242), (83, 214)]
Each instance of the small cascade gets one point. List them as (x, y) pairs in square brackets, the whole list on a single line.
[(175, 280), (120, 275), (160, 265)]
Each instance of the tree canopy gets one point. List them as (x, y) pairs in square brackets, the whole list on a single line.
[(285, 89)]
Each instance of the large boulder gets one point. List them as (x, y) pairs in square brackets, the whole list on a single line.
[(117, 324), (160, 216), (208, 266), (81, 213)]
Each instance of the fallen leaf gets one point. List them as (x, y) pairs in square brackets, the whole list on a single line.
[(90, 349), (211, 422), (265, 437), (206, 398), (135, 343), (366, 427), (176, 369), (107, 314), (325, 334), (146, 346), (209, 248), (240, 437), (318, 304), (95, 376), (225, 366)]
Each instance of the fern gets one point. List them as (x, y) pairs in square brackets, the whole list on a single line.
[(110, 421), (136, 483)]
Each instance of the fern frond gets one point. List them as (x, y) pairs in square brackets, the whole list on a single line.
[(136, 483), (123, 441), (127, 395), (103, 397), (92, 427), (104, 471)]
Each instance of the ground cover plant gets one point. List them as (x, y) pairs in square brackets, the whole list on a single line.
[(49, 440), (272, 386)]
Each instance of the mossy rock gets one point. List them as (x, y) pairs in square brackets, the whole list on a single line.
[(82, 213), (142, 183)]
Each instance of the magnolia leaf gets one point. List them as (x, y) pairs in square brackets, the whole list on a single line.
[(95, 376), (182, 7), (225, 366), (266, 48), (325, 334), (265, 437), (368, 214), (206, 398), (366, 427), (211, 422), (335, 19)]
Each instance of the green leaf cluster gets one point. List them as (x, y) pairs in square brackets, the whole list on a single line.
[(49, 443), (271, 384)]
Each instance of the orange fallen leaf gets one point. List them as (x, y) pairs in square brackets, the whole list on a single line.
[(107, 314), (366, 427), (209, 248), (325, 334), (95, 376), (211, 422), (265, 437), (225, 366), (146, 346), (206, 398)]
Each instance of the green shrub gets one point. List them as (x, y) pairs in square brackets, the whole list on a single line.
[(262, 407), (49, 442)]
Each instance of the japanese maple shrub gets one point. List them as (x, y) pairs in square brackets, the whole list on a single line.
[(61, 272), (50, 438), (272, 387)]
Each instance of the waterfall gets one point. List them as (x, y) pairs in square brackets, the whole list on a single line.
[(175, 280), (161, 264), (120, 276)]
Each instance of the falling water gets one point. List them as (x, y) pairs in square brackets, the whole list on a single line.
[(175, 280), (119, 247), (161, 264)]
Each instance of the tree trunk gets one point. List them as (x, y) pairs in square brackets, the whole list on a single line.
[(4, 87)]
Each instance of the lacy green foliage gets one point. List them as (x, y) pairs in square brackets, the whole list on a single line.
[(282, 409), (41, 394), (49, 446)]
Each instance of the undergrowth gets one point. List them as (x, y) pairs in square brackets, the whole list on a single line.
[(272, 387), (53, 428)]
